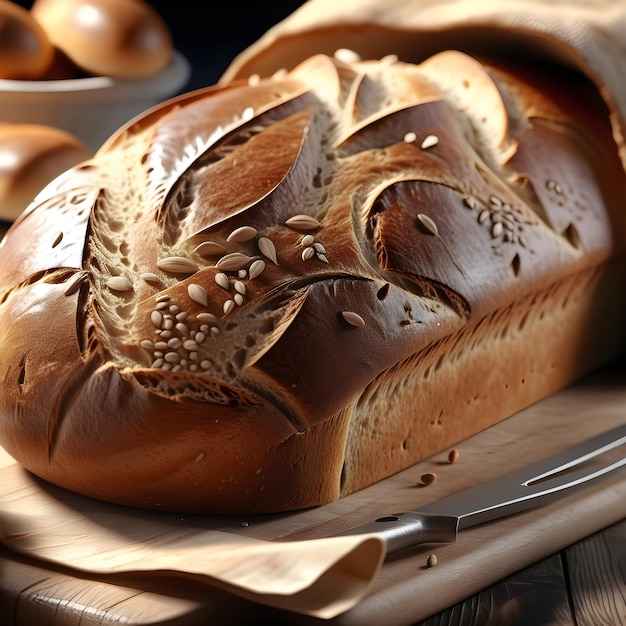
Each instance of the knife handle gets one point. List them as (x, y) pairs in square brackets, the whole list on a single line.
[(403, 530)]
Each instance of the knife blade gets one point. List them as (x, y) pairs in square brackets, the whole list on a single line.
[(516, 491)]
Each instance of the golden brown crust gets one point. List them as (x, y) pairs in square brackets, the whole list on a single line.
[(264, 296)]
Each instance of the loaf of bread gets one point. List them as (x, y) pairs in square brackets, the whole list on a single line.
[(262, 296)]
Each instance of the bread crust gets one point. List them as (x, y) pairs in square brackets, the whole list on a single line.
[(265, 296)]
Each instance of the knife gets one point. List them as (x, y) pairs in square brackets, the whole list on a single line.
[(525, 488)]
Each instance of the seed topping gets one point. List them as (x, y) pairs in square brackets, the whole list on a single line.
[(429, 142), (119, 283), (198, 294), (177, 265), (256, 268), (428, 223), (303, 222), (233, 261), (268, 249), (73, 284), (354, 319), (210, 248), (242, 234)]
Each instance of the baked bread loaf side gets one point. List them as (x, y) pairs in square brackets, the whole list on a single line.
[(263, 296)]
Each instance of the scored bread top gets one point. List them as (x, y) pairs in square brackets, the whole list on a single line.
[(235, 267)]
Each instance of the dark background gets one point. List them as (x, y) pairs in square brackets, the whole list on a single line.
[(211, 34)]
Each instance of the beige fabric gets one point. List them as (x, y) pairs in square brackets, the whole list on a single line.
[(586, 34), (323, 577)]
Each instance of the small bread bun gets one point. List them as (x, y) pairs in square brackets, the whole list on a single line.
[(31, 156), (25, 51), (120, 38)]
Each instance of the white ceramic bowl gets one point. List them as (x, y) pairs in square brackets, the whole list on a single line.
[(90, 108)]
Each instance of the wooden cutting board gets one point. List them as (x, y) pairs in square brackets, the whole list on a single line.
[(406, 590)]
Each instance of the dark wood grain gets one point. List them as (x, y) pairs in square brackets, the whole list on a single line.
[(536, 595), (596, 569)]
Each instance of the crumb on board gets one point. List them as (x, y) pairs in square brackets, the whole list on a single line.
[(431, 560), (428, 478), (453, 455)]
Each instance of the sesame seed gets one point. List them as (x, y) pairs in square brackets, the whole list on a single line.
[(161, 306), (453, 456), (198, 294), (161, 345), (57, 240), (229, 305), (206, 317), (174, 343), (222, 280), (308, 253), (410, 137), (210, 248), (469, 202), (190, 345), (238, 298), (168, 324), (205, 364), (240, 287), (147, 344), (177, 265), (307, 240), (429, 142), (200, 337), (163, 297), (233, 261), (268, 249), (303, 222), (149, 277), (157, 318), (182, 328), (74, 283), (256, 268), (354, 319), (248, 113), (158, 363), (182, 316), (496, 229), (174, 309), (172, 357), (322, 257), (319, 248), (242, 234), (428, 223)]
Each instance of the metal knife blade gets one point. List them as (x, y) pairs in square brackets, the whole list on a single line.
[(522, 489)]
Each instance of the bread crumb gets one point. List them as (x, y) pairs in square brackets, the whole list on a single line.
[(453, 456), (244, 523), (428, 478), (431, 560)]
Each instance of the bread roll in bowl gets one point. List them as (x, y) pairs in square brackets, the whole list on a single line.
[(119, 38), (25, 51), (32, 155), (264, 296)]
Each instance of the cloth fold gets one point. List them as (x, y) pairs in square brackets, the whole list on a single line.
[(321, 577)]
